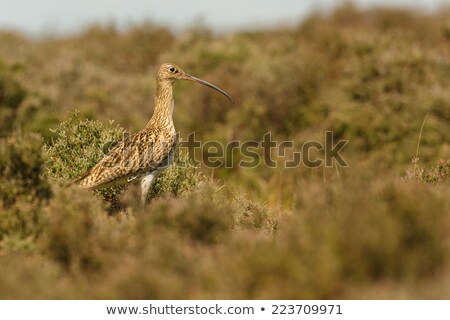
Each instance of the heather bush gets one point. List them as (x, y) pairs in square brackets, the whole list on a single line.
[(21, 169), (78, 146), (23, 190), (21, 109), (81, 143), (12, 93)]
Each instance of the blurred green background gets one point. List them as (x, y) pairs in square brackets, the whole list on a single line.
[(377, 229)]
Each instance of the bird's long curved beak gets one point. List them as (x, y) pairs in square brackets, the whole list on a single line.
[(206, 83)]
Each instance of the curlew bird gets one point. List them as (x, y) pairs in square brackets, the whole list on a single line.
[(141, 156)]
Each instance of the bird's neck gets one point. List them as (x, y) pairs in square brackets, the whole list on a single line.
[(164, 104)]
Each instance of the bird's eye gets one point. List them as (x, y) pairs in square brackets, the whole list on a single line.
[(173, 70)]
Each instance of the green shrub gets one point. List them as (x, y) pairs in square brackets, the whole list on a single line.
[(20, 109), (21, 169), (81, 143), (20, 225), (78, 146), (36, 114), (12, 94), (197, 219), (70, 216), (179, 178), (23, 191)]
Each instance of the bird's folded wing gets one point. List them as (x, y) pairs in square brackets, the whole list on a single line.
[(139, 153)]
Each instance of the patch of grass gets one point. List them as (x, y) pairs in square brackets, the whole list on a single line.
[(435, 174)]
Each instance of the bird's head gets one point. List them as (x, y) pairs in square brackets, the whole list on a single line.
[(171, 72)]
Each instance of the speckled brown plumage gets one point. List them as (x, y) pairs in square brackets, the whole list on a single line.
[(144, 154)]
